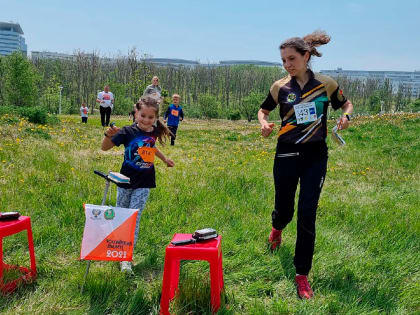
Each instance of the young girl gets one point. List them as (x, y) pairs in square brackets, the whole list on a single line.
[(84, 113), (139, 141)]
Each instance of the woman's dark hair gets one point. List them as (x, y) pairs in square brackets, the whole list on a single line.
[(162, 132), (308, 43)]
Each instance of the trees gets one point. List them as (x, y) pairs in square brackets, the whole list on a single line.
[(20, 81), (251, 104)]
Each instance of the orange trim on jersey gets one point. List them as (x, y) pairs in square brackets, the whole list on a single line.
[(285, 129)]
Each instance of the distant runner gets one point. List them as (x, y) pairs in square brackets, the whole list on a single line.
[(106, 101)]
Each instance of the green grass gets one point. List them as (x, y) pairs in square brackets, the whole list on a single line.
[(368, 226)]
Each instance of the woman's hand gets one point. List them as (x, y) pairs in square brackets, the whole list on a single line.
[(169, 163), (266, 129), (343, 123)]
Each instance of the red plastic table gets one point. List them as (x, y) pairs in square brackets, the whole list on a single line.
[(210, 250), (8, 228)]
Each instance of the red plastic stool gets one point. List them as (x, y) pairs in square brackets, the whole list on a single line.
[(8, 228), (210, 250)]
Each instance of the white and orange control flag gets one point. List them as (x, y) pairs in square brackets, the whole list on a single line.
[(109, 233)]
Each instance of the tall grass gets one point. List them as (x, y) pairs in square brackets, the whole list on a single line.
[(368, 226)]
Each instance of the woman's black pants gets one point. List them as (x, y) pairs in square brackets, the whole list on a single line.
[(105, 115), (306, 163)]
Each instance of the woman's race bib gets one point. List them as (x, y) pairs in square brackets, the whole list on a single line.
[(305, 112)]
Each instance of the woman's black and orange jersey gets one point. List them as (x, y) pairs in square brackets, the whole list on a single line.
[(304, 111)]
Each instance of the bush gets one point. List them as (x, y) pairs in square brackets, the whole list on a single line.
[(251, 104), (414, 106), (10, 110), (36, 114), (234, 115), (191, 111), (209, 106)]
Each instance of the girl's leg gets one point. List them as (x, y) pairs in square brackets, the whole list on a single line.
[(123, 197), (311, 182), (138, 201)]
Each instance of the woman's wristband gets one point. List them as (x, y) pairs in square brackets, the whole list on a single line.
[(348, 116)]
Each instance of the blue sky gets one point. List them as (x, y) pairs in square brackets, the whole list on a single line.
[(366, 34)]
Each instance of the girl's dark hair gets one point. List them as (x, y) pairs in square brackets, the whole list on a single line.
[(308, 43), (162, 132)]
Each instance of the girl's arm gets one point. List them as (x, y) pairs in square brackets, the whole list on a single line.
[(165, 160), (266, 128), (106, 141)]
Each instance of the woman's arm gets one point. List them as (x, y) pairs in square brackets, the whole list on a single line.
[(165, 160), (347, 109), (266, 127)]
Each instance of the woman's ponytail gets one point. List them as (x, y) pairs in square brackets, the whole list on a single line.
[(308, 43)]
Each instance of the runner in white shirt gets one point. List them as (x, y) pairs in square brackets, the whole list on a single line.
[(106, 101)]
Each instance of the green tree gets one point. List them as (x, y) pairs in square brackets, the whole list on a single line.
[(251, 104), (20, 84), (374, 102), (209, 106)]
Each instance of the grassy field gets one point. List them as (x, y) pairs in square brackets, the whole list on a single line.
[(368, 226)]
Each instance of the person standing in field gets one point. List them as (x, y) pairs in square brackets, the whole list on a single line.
[(84, 113), (173, 116), (139, 140), (106, 102), (301, 154), (154, 89)]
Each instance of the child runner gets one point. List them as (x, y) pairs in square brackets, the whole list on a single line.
[(139, 141), (84, 113), (174, 115), (301, 155)]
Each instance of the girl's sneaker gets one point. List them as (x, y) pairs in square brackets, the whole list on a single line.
[(126, 266), (304, 290), (274, 239)]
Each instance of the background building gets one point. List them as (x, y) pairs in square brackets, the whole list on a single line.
[(410, 81), (11, 39), (49, 55)]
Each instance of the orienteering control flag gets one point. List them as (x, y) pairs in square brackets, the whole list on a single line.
[(109, 233)]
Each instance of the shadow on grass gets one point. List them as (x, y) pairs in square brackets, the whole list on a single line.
[(193, 295), (149, 266), (22, 292), (117, 294), (351, 290), (286, 260)]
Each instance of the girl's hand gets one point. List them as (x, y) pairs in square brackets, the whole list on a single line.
[(266, 129), (169, 163), (112, 131)]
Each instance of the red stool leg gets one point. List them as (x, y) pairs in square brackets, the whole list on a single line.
[(170, 278), (175, 278), (222, 283), (1, 262), (215, 283), (31, 250)]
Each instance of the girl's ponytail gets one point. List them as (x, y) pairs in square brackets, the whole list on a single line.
[(162, 132)]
